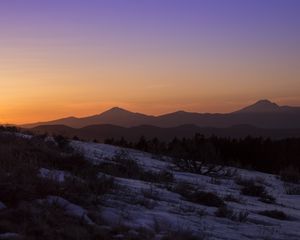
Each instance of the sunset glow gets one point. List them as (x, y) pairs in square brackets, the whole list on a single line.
[(61, 57)]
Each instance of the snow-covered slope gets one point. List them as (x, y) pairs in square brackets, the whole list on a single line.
[(127, 194), (157, 208)]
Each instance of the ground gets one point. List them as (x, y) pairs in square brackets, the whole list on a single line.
[(155, 199)]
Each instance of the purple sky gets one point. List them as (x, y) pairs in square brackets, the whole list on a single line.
[(212, 55)]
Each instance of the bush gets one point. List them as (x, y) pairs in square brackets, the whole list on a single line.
[(231, 198), (292, 189), (62, 142), (207, 198), (124, 166), (192, 194), (254, 190), (274, 214), (164, 176), (183, 188), (251, 188), (11, 129), (45, 221), (267, 198), (225, 212)]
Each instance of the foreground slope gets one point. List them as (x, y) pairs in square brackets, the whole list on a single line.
[(106, 192), (158, 205)]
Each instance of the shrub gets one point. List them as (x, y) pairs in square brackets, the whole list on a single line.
[(46, 221), (164, 176), (150, 193), (215, 181), (62, 142), (192, 194), (267, 198), (292, 189), (143, 201), (242, 216), (231, 198), (258, 191), (126, 167), (274, 214), (183, 188), (225, 212), (205, 198), (254, 190)]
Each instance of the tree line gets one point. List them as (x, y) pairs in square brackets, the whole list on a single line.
[(257, 153)]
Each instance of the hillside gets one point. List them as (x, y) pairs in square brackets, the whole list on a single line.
[(86, 190)]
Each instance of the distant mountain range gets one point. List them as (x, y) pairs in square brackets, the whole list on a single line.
[(262, 114)]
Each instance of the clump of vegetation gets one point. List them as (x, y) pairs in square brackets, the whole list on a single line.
[(206, 198), (21, 185), (267, 198), (150, 193), (201, 197), (225, 212), (61, 141), (251, 188), (232, 198), (274, 214), (11, 129), (183, 188), (215, 181), (292, 189), (124, 166)]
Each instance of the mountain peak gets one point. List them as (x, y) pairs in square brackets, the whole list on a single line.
[(117, 109), (265, 102), (118, 112), (261, 106)]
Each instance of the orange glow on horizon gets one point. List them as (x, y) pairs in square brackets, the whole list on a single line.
[(60, 59)]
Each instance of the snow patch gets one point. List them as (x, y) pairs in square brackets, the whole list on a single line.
[(70, 208)]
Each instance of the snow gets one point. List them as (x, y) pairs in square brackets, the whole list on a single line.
[(55, 175), (170, 211), (70, 208), (154, 207)]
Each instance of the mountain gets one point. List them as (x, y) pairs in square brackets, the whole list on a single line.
[(266, 106), (262, 114), (114, 116), (105, 131), (262, 106)]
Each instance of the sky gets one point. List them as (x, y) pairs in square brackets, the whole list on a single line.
[(76, 57)]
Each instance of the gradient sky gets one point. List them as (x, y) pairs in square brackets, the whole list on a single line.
[(79, 57)]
